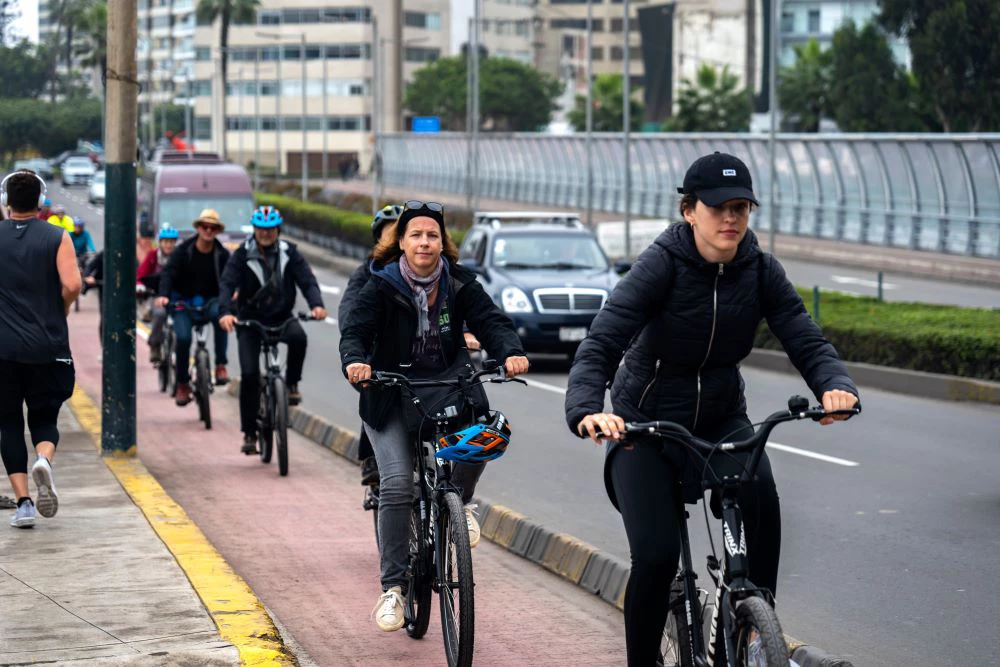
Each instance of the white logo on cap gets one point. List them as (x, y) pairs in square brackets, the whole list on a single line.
[(728, 172)]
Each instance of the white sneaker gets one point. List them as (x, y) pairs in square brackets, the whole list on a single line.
[(24, 516), (388, 612), (473, 524), (48, 499)]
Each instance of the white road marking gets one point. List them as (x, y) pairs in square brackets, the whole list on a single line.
[(812, 455), (330, 289), (544, 386), (864, 282)]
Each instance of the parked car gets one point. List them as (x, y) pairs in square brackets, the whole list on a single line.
[(546, 272), (40, 166), (95, 192), (77, 171)]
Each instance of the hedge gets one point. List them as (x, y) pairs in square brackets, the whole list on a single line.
[(922, 337), (915, 336)]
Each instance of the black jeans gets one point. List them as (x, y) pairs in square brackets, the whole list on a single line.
[(645, 486), (249, 343)]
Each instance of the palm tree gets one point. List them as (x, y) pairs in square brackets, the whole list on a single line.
[(94, 24), (714, 102), (229, 11)]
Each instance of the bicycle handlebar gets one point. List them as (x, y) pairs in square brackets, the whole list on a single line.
[(388, 379), (174, 306), (276, 330)]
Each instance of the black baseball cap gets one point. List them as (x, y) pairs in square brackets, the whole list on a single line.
[(718, 178)]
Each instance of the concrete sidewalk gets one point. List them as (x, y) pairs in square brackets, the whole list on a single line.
[(95, 584)]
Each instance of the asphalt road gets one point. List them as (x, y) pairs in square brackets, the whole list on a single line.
[(882, 559)]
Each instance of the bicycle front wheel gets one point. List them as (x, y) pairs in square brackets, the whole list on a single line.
[(265, 425), (203, 388), (418, 597), (453, 557), (759, 639), (675, 647), (280, 413)]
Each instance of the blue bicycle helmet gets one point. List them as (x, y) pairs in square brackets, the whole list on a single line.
[(168, 232), (266, 217), (79, 222), (388, 214), (481, 442)]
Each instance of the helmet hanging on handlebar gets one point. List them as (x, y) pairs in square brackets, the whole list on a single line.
[(481, 442)]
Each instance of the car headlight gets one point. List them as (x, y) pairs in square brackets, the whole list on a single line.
[(514, 300)]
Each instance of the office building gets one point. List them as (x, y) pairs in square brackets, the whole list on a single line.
[(165, 53), (508, 28), (802, 20)]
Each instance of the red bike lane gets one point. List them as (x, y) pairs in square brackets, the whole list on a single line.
[(306, 547)]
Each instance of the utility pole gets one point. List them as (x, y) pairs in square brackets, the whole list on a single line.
[(326, 117), (376, 112), (627, 132), (395, 98), (469, 68), (772, 108), (305, 128), (279, 121), (240, 123), (118, 434), (589, 141), (256, 121), (475, 105)]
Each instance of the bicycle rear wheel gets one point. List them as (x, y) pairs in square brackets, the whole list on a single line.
[(203, 388), (759, 639), (418, 597), (453, 557), (265, 425), (281, 424)]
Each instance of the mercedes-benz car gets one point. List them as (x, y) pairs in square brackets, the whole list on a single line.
[(546, 271)]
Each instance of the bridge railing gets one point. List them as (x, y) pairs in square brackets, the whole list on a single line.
[(935, 192)]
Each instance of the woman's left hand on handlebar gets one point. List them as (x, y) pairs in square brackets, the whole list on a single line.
[(837, 399), (516, 366), (319, 313), (358, 373)]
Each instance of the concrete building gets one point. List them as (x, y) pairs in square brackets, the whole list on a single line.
[(802, 20), (329, 45), (165, 53), (507, 28)]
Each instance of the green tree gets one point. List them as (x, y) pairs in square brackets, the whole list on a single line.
[(514, 97), (24, 70), (955, 57), (804, 88), (713, 102), (94, 24), (608, 114), (869, 91), (40, 127), (228, 12)]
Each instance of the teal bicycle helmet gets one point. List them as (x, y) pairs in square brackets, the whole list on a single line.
[(387, 215), (266, 217), (481, 442), (167, 232)]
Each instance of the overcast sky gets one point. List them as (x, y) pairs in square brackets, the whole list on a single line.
[(26, 24)]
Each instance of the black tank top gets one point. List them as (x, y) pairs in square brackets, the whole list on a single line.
[(33, 325)]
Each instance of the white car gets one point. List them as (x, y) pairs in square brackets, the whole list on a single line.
[(95, 193), (77, 171)]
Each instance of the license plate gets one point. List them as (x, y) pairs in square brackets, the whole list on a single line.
[(572, 334)]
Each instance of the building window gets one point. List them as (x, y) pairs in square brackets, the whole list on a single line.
[(597, 53), (269, 17), (420, 54), (202, 54), (202, 127), (787, 22), (813, 21), (422, 20), (617, 25), (617, 53), (578, 24)]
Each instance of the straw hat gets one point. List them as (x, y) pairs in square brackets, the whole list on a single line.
[(209, 216)]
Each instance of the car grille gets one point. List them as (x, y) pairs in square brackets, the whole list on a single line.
[(569, 300)]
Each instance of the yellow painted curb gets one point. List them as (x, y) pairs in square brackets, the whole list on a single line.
[(236, 611)]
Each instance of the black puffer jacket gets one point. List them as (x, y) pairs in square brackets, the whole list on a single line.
[(354, 286), (272, 305), (381, 325), (684, 325)]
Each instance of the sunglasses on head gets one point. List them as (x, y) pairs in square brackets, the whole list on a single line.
[(417, 205)]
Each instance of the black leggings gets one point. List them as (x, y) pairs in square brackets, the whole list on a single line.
[(645, 487), (43, 388)]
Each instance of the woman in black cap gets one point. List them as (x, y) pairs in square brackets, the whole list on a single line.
[(684, 317), (407, 319)]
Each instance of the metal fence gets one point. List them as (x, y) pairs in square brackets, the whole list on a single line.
[(935, 192)]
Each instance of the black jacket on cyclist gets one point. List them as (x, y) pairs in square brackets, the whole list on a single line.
[(355, 284), (266, 282), (380, 328), (683, 325), (183, 274)]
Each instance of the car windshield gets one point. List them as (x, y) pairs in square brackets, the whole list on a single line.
[(235, 210), (548, 251), (78, 163)]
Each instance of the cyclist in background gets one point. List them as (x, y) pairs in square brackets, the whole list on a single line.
[(147, 281), (405, 320), (263, 274), (83, 242), (60, 219), (192, 275), (684, 317)]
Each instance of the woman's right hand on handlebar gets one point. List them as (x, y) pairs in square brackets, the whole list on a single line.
[(358, 373), (600, 426), (161, 301), (228, 323)]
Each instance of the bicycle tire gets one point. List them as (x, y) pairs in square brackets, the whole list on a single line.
[(265, 429), (756, 613), (417, 605), (171, 358), (371, 504), (163, 371), (203, 388), (675, 646), (280, 398), (453, 558)]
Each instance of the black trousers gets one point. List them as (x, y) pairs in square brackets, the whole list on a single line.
[(249, 350), (43, 388), (645, 482)]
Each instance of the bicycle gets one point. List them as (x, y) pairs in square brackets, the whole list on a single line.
[(82, 261), (272, 412), (201, 370), (743, 613), (440, 555)]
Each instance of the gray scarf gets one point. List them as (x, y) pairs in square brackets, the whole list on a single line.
[(421, 287)]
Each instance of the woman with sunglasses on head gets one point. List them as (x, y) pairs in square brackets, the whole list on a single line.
[(407, 319), (684, 318)]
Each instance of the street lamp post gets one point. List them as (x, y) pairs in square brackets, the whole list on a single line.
[(256, 121), (627, 130), (240, 124), (326, 118), (305, 128), (376, 113), (589, 141), (772, 106)]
